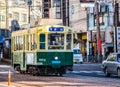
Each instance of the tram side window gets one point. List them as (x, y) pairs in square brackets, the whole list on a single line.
[(42, 41), (34, 46), (68, 44), (27, 45), (19, 43), (21, 39), (15, 44)]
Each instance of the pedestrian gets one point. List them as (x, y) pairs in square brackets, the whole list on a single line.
[(85, 56)]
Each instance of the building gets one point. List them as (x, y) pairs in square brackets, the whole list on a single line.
[(67, 12), (56, 9), (92, 32), (18, 10), (71, 13), (78, 20), (13, 15)]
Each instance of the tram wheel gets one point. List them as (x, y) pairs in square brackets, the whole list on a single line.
[(56, 73), (35, 71), (60, 74), (22, 72), (17, 68)]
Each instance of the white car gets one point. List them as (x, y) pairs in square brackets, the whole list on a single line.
[(77, 56), (112, 64)]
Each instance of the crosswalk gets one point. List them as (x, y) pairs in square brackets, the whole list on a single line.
[(87, 73), (5, 68)]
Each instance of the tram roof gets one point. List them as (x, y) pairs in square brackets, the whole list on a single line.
[(43, 28)]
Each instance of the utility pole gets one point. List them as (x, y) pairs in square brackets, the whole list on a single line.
[(29, 14), (116, 24), (29, 6), (98, 32), (6, 1), (29, 2)]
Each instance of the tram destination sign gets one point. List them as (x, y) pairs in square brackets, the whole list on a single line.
[(58, 29)]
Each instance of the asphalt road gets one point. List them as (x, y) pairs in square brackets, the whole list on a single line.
[(83, 75)]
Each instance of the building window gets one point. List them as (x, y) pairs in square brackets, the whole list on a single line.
[(15, 2), (58, 3), (54, 3), (10, 15), (16, 16), (58, 15), (2, 17), (2, 32), (32, 18), (24, 18), (94, 20), (101, 19), (58, 9)]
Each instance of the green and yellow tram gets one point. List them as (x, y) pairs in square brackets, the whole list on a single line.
[(43, 50)]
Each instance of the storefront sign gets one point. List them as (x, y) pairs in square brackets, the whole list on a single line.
[(89, 36), (118, 38), (87, 3)]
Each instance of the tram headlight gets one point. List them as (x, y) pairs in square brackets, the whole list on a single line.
[(56, 58)]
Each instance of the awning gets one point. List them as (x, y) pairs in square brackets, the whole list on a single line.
[(108, 45), (2, 38)]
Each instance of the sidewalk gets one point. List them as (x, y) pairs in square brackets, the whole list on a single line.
[(7, 61), (3, 85)]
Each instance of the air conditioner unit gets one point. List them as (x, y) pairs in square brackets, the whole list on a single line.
[(15, 3), (21, 2)]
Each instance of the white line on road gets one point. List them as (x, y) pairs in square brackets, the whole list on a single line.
[(87, 71)]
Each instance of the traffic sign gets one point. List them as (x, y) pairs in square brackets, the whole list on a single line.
[(29, 2), (72, 9)]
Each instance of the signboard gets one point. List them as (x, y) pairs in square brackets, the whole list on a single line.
[(29, 2), (87, 3), (108, 38), (89, 36), (118, 38), (72, 9)]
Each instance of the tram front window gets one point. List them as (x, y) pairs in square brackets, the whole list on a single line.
[(56, 41)]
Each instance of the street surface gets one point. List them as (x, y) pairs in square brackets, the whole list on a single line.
[(84, 75)]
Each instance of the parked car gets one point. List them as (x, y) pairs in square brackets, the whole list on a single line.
[(77, 56), (112, 64)]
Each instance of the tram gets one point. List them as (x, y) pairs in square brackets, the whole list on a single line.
[(43, 50)]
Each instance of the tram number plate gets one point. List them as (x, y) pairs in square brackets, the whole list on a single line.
[(56, 62)]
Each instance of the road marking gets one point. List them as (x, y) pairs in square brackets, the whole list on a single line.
[(3, 85), (86, 71)]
